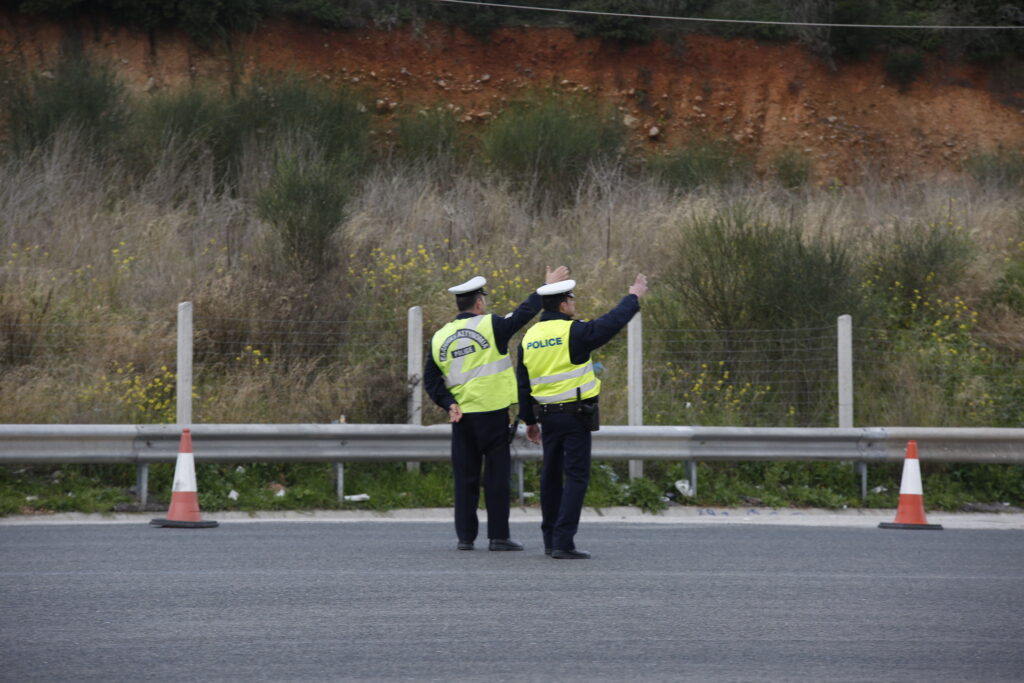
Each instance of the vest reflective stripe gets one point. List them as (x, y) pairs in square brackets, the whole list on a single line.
[(570, 394), (554, 378), (454, 377), (478, 376), (578, 372)]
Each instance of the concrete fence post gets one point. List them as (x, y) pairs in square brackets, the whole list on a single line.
[(844, 374), (414, 370), (182, 388), (635, 383)]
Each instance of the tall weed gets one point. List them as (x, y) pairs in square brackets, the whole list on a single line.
[(702, 163), (734, 270), (547, 143), (1003, 168), (77, 95)]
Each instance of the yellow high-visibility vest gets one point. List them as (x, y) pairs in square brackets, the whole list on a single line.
[(475, 372), (554, 378)]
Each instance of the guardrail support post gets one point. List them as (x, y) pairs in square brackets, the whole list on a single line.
[(339, 480), (414, 371), (520, 484), (142, 482), (844, 337), (691, 474), (635, 383)]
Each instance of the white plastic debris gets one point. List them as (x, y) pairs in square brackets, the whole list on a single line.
[(684, 487), (233, 494), (239, 469), (358, 498), (280, 492)]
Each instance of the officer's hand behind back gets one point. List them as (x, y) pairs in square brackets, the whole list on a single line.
[(533, 433)]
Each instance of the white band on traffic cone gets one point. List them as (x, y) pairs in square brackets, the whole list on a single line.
[(185, 474), (911, 482)]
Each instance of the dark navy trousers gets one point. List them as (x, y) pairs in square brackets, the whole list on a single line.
[(566, 456), (480, 440)]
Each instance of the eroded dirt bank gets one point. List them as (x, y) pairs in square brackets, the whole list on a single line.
[(765, 96)]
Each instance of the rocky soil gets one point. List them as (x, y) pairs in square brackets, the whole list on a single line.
[(767, 97)]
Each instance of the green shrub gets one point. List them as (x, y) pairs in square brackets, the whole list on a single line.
[(903, 66), (198, 125), (290, 105), (305, 201), (909, 263), (1009, 289), (204, 20), (858, 43), (426, 135), (275, 110), (1000, 168), (618, 29), (757, 10), (547, 143), (78, 95), (646, 495), (605, 489), (734, 270), (702, 163), (328, 13), (791, 168)]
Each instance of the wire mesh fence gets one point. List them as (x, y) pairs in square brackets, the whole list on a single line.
[(748, 377), (356, 365), (909, 377), (281, 370)]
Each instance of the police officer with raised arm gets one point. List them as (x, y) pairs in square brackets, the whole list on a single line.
[(558, 393), (470, 376)]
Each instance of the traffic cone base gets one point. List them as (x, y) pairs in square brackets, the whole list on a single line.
[(180, 524), (910, 512), (896, 525), (184, 510)]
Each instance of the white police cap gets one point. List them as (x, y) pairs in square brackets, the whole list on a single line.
[(469, 285), (563, 287)]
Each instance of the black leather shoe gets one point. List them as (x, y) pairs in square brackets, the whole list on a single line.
[(465, 546), (570, 554), (504, 544), (547, 550)]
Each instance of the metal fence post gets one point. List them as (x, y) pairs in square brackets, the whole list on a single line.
[(844, 352), (414, 371), (635, 383), (339, 480)]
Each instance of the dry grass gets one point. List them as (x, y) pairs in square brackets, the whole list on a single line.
[(103, 258)]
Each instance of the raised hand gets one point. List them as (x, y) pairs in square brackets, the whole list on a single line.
[(639, 286), (557, 275)]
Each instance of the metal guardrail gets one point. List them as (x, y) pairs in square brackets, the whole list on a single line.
[(136, 444), (341, 443)]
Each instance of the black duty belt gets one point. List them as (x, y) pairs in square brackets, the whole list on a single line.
[(570, 407)]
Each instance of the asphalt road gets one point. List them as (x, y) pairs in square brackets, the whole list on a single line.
[(395, 601)]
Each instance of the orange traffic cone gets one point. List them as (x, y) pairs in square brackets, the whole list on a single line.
[(910, 513), (184, 510)]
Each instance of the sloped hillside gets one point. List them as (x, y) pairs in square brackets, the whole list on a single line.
[(767, 97)]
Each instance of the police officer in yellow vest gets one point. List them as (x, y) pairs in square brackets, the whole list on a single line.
[(469, 375), (558, 389)]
